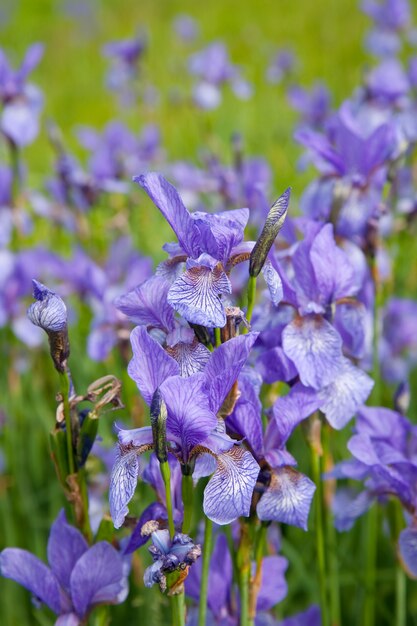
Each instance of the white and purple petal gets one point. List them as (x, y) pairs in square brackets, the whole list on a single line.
[(274, 283), (342, 398), (123, 481), (196, 293), (229, 491), (315, 348), (287, 499)]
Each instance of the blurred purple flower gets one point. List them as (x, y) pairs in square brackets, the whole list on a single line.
[(78, 577)]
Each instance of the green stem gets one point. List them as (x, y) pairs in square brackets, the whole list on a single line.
[(188, 501), (370, 572), (65, 387), (244, 582), (331, 544), (317, 466), (217, 337), (251, 299), (166, 477), (208, 539), (178, 609), (255, 582), (400, 577)]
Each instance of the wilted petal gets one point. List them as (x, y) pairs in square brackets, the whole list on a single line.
[(147, 304), (150, 364), (123, 481), (97, 577), (154, 511), (228, 494), (287, 499), (316, 349), (348, 391), (166, 198), (190, 419), (224, 366), (196, 294), (408, 549), (27, 570), (273, 587), (65, 546)]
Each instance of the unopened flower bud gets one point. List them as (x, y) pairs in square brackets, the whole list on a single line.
[(50, 313), (158, 422), (273, 224)]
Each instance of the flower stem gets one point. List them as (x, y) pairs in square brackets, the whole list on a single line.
[(217, 337), (317, 467), (208, 539), (370, 572), (251, 299), (178, 609), (255, 581), (400, 577), (244, 582), (65, 387), (166, 477), (187, 499)]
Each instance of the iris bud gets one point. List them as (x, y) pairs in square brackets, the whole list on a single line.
[(158, 422), (273, 224)]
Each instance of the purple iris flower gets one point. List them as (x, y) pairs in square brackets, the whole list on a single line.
[(194, 433), (286, 494), (313, 105), (398, 346), (186, 27), (213, 68), (221, 594), (125, 56), (78, 577), (22, 102), (205, 243), (322, 292), (384, 455), (281, 66)]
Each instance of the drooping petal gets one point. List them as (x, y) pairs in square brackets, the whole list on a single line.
[(274, 283), (147, 304), (273, 587), (347, 506), (350, 321), (68, 619), (408, 549), (348, 391), (65, 546), (123, 481), (150, 364), (224, 367), (166, 198), (135, 436), (98, 576), (190, 354), (245, 420), (229, 491), (27, 570), (287, 499), (196, 293), (190, 419), (274, 365), (316, 349), (288, 411)]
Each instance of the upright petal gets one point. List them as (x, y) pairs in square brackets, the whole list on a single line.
[(196, 293), (225, 365), (316, 349), (166, 198), (287, 499), (150, 364), (27, 570), (190, 419), (98, 576), (147, 304), (123, 481), (65, 546), (228, 493)]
